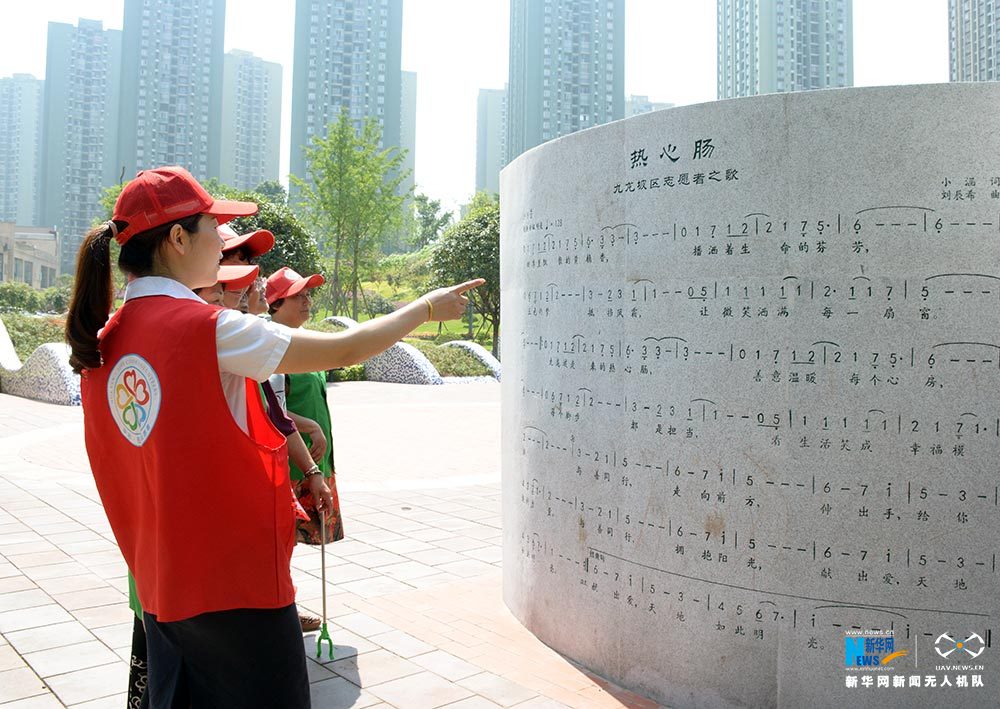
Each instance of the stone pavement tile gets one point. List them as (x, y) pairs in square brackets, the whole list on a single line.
[(317, 672), (343, 548), (78, 535), (445, 664), (7, 569), (375, 559), (116, 636), (497, 689), (483, 532), (9, 659), (466, 569), (541, 703), (376, 586), (40, 701), (345, 644), (436, 556), (68, 584), (363, 624), (88, 547), (490, 554), (345, 573), (406, 546), (474, 702), (115, 701), (93, 683), (53, 571), (90, 598), (407, 571), (104, 557), (434, 580), (15, 583), (32, 618), (375, 535), (27, 548), (338, 692), (100, 616), (424, 690), (19, 684), (27, 561), (375, 667), (598, 697), (49, 636), (70, 658), (458, 543), (402, 644), (431, 535)]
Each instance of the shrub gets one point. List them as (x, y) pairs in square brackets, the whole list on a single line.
[(353, 373), (323, 326), (56, 299), (19, 297), (451, 361), (29, 332), (378, 304)]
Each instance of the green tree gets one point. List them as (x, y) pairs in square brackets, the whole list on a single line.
[(471, 249), (273, 190), (429, 220), (352, 200)]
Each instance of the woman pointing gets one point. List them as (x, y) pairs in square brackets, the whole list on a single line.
[(211, 570)]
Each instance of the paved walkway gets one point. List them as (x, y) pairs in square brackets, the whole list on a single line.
[(414, 591)]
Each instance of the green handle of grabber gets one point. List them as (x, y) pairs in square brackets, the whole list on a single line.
[(324, 634)]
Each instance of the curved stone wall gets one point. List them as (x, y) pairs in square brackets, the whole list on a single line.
[(483, 355), (400, 364), (751, 412), (45, 376)]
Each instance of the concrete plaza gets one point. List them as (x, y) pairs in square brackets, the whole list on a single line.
[(414, 591)]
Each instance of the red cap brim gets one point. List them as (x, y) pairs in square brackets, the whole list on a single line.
[(313, 281), (237, 276), (258, 242), (225, 210)]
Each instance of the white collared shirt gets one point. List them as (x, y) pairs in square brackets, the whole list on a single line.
[(248, 347)]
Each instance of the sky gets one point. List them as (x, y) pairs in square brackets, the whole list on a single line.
[(457, 47)]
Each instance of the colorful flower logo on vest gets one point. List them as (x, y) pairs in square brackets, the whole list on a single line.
[(134, 397)]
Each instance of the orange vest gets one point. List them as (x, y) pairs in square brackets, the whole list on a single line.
[(200, 509)]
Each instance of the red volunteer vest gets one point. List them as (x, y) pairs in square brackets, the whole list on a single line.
[(200, 509)]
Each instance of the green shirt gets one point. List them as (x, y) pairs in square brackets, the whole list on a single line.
[(305, 395)]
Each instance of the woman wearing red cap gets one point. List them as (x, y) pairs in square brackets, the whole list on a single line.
[(289, 297), (204, 522)]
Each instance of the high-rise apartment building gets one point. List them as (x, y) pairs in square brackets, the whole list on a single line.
[(171, 85), (634, 105), (769, 46), (82, 74), (408, 127), (251, 120), (491, 130), (567, 69), (21, 97), (974, 39), (347, 55)]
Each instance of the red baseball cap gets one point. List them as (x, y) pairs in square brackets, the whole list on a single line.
[(259, 242), (285, 283), (237, 276), (167, 194)]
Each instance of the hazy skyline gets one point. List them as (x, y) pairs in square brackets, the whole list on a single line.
[(457, 47)]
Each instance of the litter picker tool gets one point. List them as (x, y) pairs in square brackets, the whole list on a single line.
[(324, 633)]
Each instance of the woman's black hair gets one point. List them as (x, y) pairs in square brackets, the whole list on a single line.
[(93, 291)]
